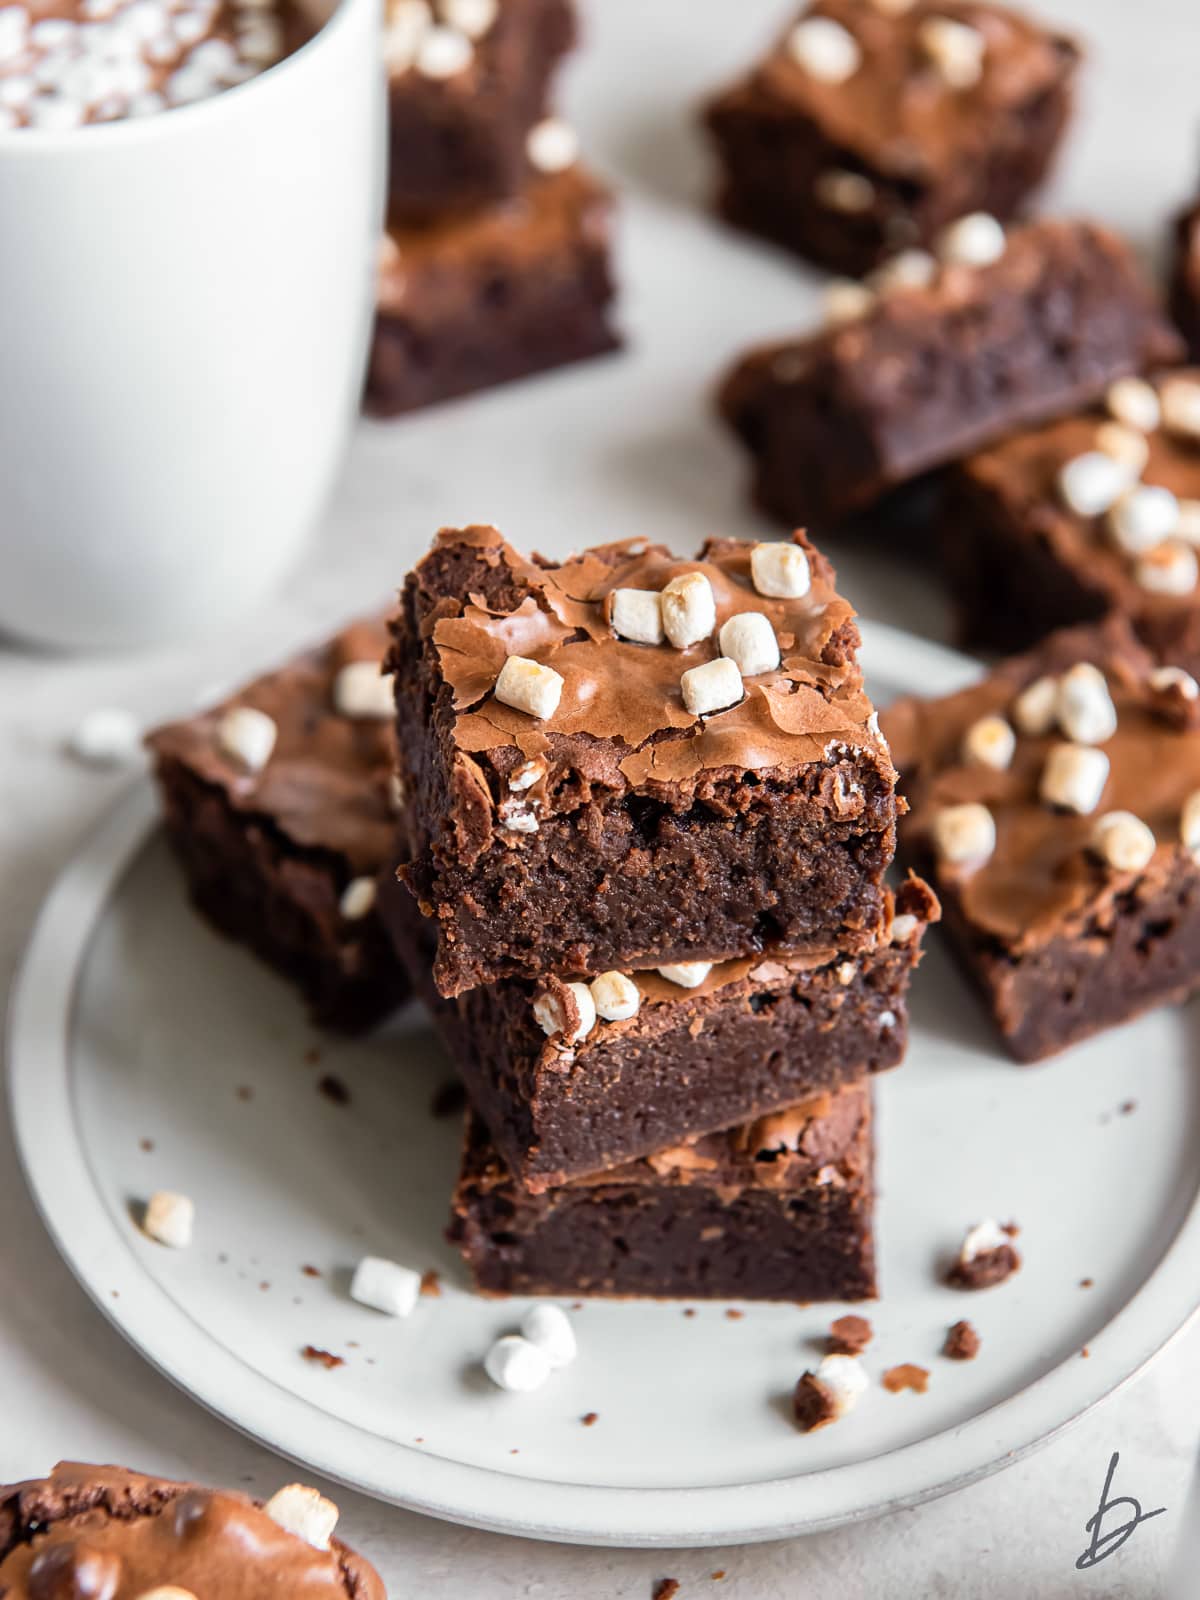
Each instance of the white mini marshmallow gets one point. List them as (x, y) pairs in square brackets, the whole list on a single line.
[(406, 25), (1134, 402), (167, 1591), (517, 816), (1180, 402), (526, 775), (1085, 710), (687, 974), (1074, 777), (169, 1219), (981, 1240), (306, 1513), (843, 300), (528, 686), (637, 615), (385, 1286), (550, 1329), (1188, 526), (780, 571), (689, 610), (54, 112), (903, 927), (749, 640), (975, 240), (361, 690), (846, 1380), (14, 32), (1089, 484), (52, 32), (1123, 841), (261, 41), (616, 997), (358, 898), (107, 737), (1143, 518), (1035, 710), (712, 687), (552, 145), (1189, 822), (1167, 679), (955, 49), (552, 1019), (185, 87), (893, 8), (989, 742), (1170, 569), (910, 269), (16, 93), (515, 1364), (964, 835), (247, 735), (848, 192), (1124, 444), (472, 17), (824, 49), (443, 53)]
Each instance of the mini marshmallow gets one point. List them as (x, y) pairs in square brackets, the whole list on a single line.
[(1089, 484), (689, 611), (358, 898), (443, 53), (1123, 841), (169, 1219), (989, 742), (1179, 399), (903, 927), (515, 1364), (981, 1240), (1134, 402), (1035, 710), (848, 192), (167, 1591), (712, 687), (1171, 568), (549, 1328), (636, 614), (1188, 526), (911, 269), (472, 17), (261, 42), (361, 690), (517, 816), (15, 93), (247, 735), (528, 686), (52, 32), (843, 300), (1085, 710), (406, 25), (845, 1379), (552, 145), (385, 1286), (185, 87), (54, 112), (749, 641), (1189, 822), (780, 571), (306, 1513), (1167, 680), (1125, 445), (687, 974), (551, 1017), (107, 737), (526, 775), (964, 835), (975, 240), (615, 996), (893, 8), (825, 49), (1074, 777), (1143, 518), (955, 49)]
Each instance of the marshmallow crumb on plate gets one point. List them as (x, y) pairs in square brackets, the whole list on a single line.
[(106, 737)]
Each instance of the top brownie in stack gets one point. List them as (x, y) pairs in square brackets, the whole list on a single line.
[(583, 794)]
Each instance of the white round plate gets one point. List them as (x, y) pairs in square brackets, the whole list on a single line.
[(147, 1053)]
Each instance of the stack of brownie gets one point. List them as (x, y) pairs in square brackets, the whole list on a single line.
[(495, 260), (645, 814)]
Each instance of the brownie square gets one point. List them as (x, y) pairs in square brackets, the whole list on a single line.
[(1184, 296), (846, 158), (623, 829), (780, 1209), (1062, 849), (751, 1038), (467, 81), (470, 302), (286, 858), (1023, 559), (926, 374)]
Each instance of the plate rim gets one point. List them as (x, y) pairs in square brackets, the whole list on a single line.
[(102, 1259)]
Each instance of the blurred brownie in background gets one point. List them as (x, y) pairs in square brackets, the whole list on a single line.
[(1185, 278)]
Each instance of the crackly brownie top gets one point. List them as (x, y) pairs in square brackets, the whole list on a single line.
[(905, 93), (548, 218), (620, 720), (1046, 793), (1094, 515), (105, 1533), (325, 782)]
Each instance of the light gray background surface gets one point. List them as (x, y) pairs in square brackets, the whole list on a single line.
[(620, 447)]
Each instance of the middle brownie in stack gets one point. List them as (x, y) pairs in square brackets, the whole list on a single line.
[(646, 816)]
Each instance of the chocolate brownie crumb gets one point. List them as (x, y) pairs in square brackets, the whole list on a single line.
[(334, 1089), (245, 1092), (813, 1404), (666, 1589), (1012, 1229), (849, 1335), (590, 1419), (431, 1284), (1085, 1352), (1128, 1107), (310, 1271), (735, 1316), (985, 1270), (1087, 1283), (905, 1376), (146, 1144), (450, 1100), (322, 1358), (718, 1576), (689, 1311), (962, 1343)]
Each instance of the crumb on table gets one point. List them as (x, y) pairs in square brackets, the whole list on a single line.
[(850, 1335), (962, 1342), (906, 1376), (322, 1358)]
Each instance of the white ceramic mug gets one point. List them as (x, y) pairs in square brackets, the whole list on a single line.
[(185, 304)]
